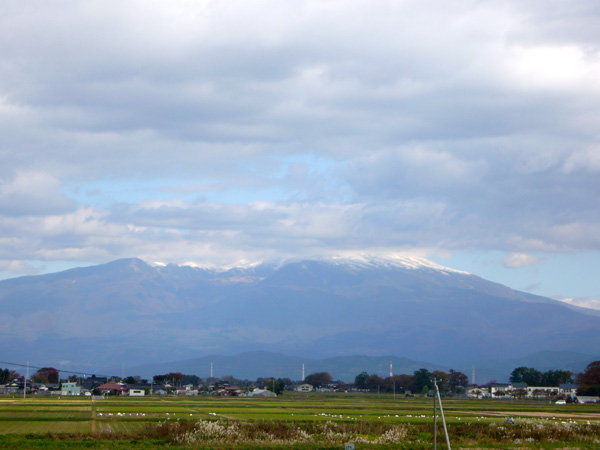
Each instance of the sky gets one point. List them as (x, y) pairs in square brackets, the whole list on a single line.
[(221, 133)]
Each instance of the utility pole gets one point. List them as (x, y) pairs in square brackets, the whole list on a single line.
[(434, 421), (393, 380), (437, 398), (25, 380)]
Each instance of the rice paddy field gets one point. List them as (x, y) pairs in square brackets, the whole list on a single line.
[(302, 421)]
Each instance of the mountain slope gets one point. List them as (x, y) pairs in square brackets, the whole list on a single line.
[(128, 312)]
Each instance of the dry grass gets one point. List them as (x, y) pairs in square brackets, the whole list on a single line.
[(269, 432)]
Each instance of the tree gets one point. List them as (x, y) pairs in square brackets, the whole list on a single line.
[(422, 379), (46, 375), (191, 379), (528, 375), (589, 380), (279, 385), (442, 379), (159, 379), (556, 377), (457, 381), (403, 383), (4, 376), (361, 381), (175, 377), (376, 382), (318, 379)]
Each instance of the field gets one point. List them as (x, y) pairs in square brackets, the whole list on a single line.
[(302, 421)]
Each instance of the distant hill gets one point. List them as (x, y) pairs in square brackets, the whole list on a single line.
[(128, 313), (252, 365)]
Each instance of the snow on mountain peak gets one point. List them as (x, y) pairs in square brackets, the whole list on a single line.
[(405, 262), (358, 260)]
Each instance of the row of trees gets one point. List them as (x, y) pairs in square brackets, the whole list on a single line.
[(421, 380), (588, 380), (534, 377)]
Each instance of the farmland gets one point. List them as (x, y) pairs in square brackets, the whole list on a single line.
[(291, 421)]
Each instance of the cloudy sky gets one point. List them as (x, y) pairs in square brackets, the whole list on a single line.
[(225, 132)]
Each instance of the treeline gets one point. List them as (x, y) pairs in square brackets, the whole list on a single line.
[(421, 381), (533, 377), (588, 380)]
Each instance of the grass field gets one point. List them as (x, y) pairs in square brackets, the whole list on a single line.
[(307, 421)]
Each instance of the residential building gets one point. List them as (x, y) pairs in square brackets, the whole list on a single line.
[(70, 389)]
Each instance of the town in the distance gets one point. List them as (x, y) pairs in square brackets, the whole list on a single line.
[(559, 386)]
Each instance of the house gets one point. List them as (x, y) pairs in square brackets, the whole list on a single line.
[(158, 391), (519, 390), (568, 389), (113, 388), (17, 386), (93, 382), (475, 391), (234, 391), (70, 389), (500, 390), (304, 388), (186, 391), (12, 388), (542, 391)]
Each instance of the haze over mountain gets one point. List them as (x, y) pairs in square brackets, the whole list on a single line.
[(130, 313)]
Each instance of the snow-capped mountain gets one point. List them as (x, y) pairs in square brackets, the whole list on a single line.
[(130, 312), (370, 261)]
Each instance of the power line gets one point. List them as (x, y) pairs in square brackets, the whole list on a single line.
[(60, 370)]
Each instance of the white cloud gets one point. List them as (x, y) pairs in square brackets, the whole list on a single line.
[(583, 302), (33, 193), (584, 160), (517, 260), (241, 130), (555, 68)]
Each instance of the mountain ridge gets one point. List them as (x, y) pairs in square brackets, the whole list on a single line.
[(130, 311)]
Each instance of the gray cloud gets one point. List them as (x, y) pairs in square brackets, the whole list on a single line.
[(221, 131)]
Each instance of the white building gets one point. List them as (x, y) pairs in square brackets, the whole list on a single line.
[(305, 388)]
